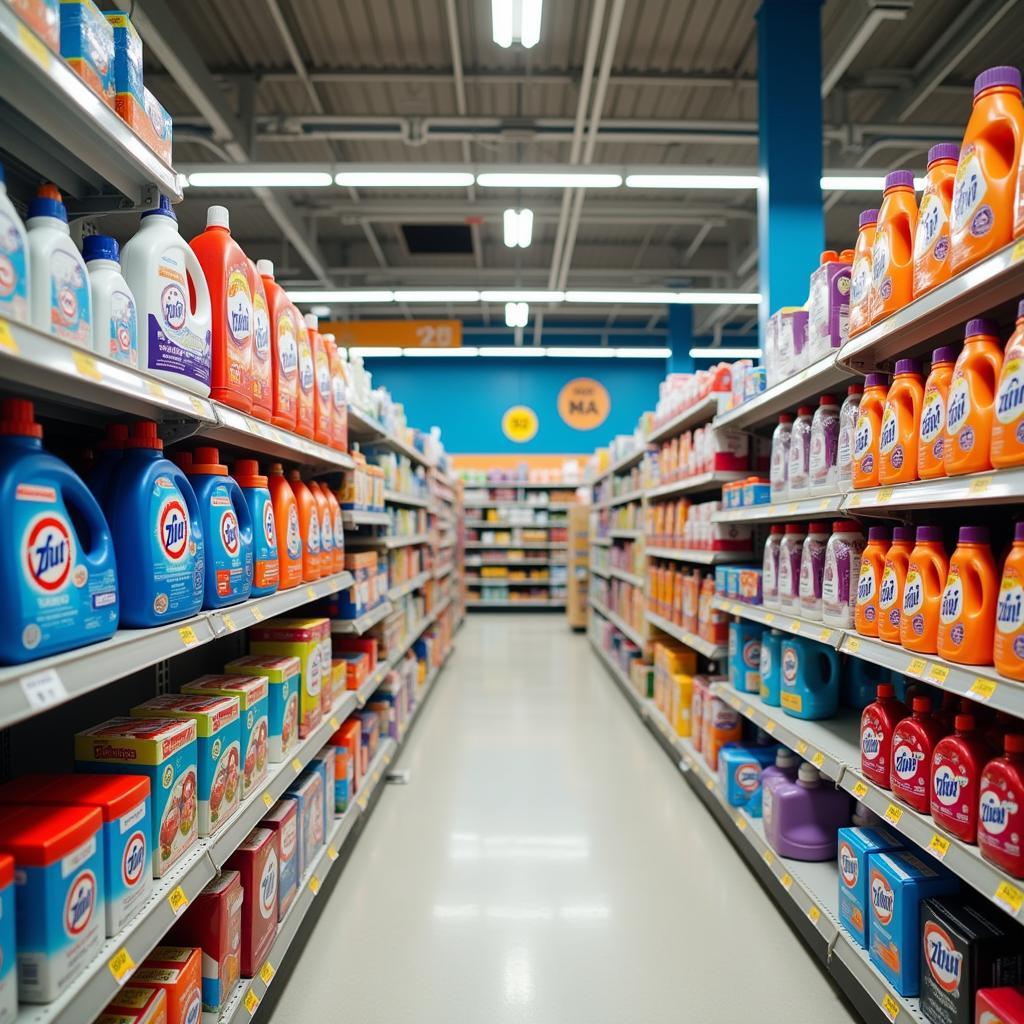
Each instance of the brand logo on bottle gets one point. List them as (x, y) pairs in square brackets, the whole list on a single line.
[(172, 526), (913, 594), (195, 1009), (80, 903), (229, 532), (849, 865), (790, 664), (134, 859), (870, 742), (305, 365), (293, 539), (752, 654), (945, 961), (887, 439), (865, 583), (269, 527), (887, 588), (173, 305), (765, 664), (48, 552), (958, 405), (261, 323), (1010, 397), (883, 899), (268, 886), (952, 599), (904, 762), (1010, 608), (994, 812), (239, 306), (748, 777), (968, 188), (933, 416), (946, 785), (287, 351), (862, 437)]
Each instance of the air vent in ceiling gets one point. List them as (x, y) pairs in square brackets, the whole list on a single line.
[(438, 239)]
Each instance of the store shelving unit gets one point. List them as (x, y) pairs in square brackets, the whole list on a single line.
[(998, 487), (696, 484), (787, 620), (699, 557), (783, 511), (713, 651)]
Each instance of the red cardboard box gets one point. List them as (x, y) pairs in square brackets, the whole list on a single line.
[(283, 818), (178, 971), (139, 1004), (343, 644), (257, 861), (350, 736)]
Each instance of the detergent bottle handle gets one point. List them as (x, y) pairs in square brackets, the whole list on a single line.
[(192, 504), (245, 523), (992, 368), (97, 546), (204, 307), (832, 659), (971, 581)]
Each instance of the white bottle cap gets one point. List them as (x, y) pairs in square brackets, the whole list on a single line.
[(265, 268), (808, 775), (217, 217), (786, 758), (311, 321)]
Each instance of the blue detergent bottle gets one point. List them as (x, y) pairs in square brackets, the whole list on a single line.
[(58, 577), (158, 533), (745, 655), (859, 685), (771, 666), (111, 451), (227, 527), (810, 679), (266, 569)]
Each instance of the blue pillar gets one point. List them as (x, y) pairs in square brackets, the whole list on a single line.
[(790, 220), (680, 338)]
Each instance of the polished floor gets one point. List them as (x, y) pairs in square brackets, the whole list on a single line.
[(546, 864)]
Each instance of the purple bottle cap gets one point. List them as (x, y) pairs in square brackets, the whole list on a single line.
[(929, 534), (867, 217), (874, 380), (904, 533), (943, 151), (1000, 75), (981, 325), (878, 533), (1018, 531), (973, 535), (945, 354), (908, 366), (898, 179)]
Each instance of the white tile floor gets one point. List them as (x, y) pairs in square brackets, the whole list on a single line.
[(546, 863)]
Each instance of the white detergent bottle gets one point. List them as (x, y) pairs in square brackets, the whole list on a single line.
[(14, 286), (799, 472), (115, 328), (174, 338), (60, 300)]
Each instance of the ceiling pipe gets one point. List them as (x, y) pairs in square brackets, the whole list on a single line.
[(881, 11)]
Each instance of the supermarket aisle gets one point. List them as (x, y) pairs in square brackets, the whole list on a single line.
[(546, 864)]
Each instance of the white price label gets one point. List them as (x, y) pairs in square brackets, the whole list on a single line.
[(43, 689)]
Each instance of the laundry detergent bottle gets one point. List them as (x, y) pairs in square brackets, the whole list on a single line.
[(284, 348), (158, 534), (61, 303), (262, 368), (771, 667), (266, 571), (957, 764), (289, 533), (841, 574), (305, 408), (309, 527), (778, 472), (892, 256), (861, 276), (913, 743), (824, 445), (115, 320), (812, 570), (226, 269), (1008, 425), (931, 241), (890, 590), (1008, 645), (970, 407), (323, 398), (336, 526), (111, 451), (59, 575), (14, 269), (798, 474), (878, 722), (901, 420), (848, 414), (984, 191), (770, 567), (172, 299), (790, 553), (809, 686), (927, 570), (869, 580), (967, 620), (1001, 810), (867, 435), (931, 440), (802, 819), (745, 655), (323, 513)]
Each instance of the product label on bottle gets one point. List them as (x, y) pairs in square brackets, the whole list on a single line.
[(879, 260), (888, 595), (789, 573), (239, 313), (323, 380), (230, 556), (1010, 396), (339, 531), (910, 766), (969, 188), (293, 538), (287, 346), (958, 405), (1010, 608), (866, 590), (953, 604), (13, 273), (770, 565), (889, 435), (933, 420), (862, 438), (265, 568), (780, 462), (261, 385), (844, 444), (799, 456), (997, 809), (306, 371), (326, 534), (124, 327), (70, 301), (931, 219), (860, 282), (313, 537), (811, 571), (951, 788), (175, 346), (177, 569)]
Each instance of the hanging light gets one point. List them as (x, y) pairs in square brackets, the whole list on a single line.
[(513, 20), (517, 314), (518, 228)]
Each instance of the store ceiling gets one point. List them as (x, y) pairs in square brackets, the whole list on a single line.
[(408, 82)]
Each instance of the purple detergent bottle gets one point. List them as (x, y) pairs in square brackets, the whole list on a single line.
[(801, 818), (783, 770)]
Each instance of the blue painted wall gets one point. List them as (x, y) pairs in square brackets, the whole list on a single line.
[(467, 398)]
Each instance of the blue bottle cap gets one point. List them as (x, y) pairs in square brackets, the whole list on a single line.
[(48, 203), (164, 209), (100, 247)]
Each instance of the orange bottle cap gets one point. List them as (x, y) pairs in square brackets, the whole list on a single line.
[(247, 473), (143, 435), (18, 418), (206, 462)]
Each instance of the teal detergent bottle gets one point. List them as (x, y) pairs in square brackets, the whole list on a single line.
[(810, 679), (266, 570)]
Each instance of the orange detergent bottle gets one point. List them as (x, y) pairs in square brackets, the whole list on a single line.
[(984, 193), (339, 395), (892, 255), (872, 568), (309, 527), (322, 397), (860, 275), (337, 528), (1008, 425), (931, 241), (226, 269), (262, 371), (932, 437), (901, 418), (922, 591), (1008, 648), (284, 350), (970, 406), (323, 512), (869, 428), (894, 577), (967, 620), (286, 522), (305, 409)]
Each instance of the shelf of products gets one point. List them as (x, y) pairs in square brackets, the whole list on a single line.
[(628, 577), (408, 586), (368, 432), (781, 618), (700, 412), (356, 519), (698, 643), (412, 500), (699, 557), (619, 623), (696, 484), (782, 511)]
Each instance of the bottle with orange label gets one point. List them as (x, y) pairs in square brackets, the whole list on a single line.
[(927, 570), (932, 437), (1008, 425), (339, 395), (897, 446), (289, 534), (322, 396), (309, 527), (971, 402), (892, 255), (284, 352), (305, 407), (984, 192), (967, 619), (872, 567), (226, 269), (860, 276), (894, 576), (868, 430), (1008, 648), (262, 371), (931, 241)]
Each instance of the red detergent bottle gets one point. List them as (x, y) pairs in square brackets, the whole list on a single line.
[(1001, 809), (913, 743), (878, 722), (957, 765)]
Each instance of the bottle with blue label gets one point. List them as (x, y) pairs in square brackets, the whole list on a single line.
[(227, 527), (745, 655), (115, 331), (739, 770), (58, 577), (14, 280), (771, 667), (809, 685), (265, 566), (61, 302), (158, 534)]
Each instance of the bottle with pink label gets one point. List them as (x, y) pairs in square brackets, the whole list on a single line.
[(878, 723), (913, 743), (841, 572), (957, 765), (812, 568), (790, 552), (1001, 808)]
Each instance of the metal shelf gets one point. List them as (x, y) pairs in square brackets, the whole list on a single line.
[(698, 643), (488, 524), (518, 504), (780, 511), (626, 462), (702, 411), (976, 291), (996, 487), (357, 518), (693, 484), (503, 581), (364, 622), (624, 499), (699, 557), (618, 675), (526, 546), (477, 563), (604, 573), (529, 484), (400, 541), (370, 432), (601, 542), (412, 500), (521, 603), (444, 570), (36, 686), (628, 577), (781, 619), (408, 586), (619, 623), (624, 533)]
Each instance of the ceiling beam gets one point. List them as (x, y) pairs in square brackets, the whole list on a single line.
[(879, 11)]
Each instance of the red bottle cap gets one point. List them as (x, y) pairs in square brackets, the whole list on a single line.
[(247, 473), (794, 528), (846, 526), (143, 435), (921, 704), (964, 723), (805, 410), (855, 389), (18, 418), (116, 439), (816, 527), (777, 528), (275, 469), (1013, 743), (827, 400), (885, 690), (206, 462)]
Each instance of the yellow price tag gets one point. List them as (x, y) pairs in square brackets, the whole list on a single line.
[(314, 885), (296, 765), (787, 881), (229, 622), (823, 504), (769, 725), (891, 1007), (335, 724), (893, 814), (121, 965), (801, 747), (939, 845), (979, 485), (33, 46), (938, 672), (268, 800), (86, 366), (177, 899), (813, 913), (362, 801), (741, 822), (860, 789), (916, 667), (332, 853), (983, 689), (818, 760), (251, 1002), (852, 644), (257, 613), (267, 972), (197, 405), (825, 635), (311, 593), (794, 626), (1017, 252), (769, 617), (855, 500), (792, 507), (188, 636), (1009, 897), (710, 783), (6, 338), (154, 388), (884, 495), (769, 857)]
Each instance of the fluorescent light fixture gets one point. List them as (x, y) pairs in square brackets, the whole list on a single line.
[(859, 183), (718, 298), (514, 351), (530, 12), (341, 295), (389, 351), (643, 353), (320, 310), (259, 179), (580, 352), (694, 181), (646, 298), (548, 179), (725, 353), (516, 19), (517, 314), (462, 352), (404, 179), (518, 228), (502, 22), (428, 295), (521, 295)]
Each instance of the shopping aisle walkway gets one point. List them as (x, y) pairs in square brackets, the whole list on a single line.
[(546, 864)]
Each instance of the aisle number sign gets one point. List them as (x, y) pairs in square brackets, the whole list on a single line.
[(519, 424), (400, 333), (584, 403)]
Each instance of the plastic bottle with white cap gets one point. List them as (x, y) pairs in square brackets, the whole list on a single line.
[(115, 323)]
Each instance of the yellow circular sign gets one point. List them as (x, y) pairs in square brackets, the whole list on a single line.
[(584, 403), (519, 424)]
